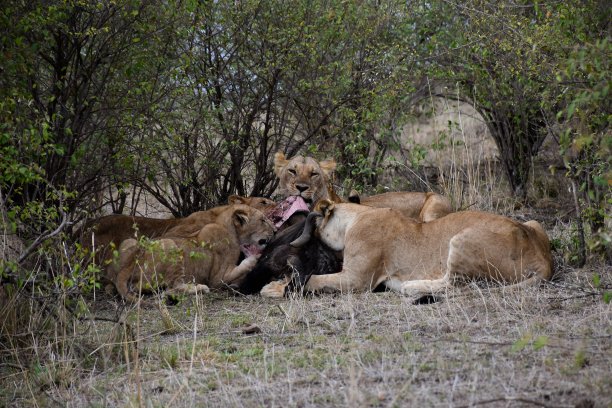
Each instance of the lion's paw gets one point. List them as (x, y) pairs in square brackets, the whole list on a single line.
[(422, 292), (199, 288), (274, 290), (414, 289), (189, 288), (249, 262)]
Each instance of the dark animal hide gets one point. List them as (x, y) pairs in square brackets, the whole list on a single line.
[(279, 260)]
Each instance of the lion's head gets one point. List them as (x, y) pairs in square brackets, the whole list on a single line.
[(254, 230), (303, 176), (261, 203)]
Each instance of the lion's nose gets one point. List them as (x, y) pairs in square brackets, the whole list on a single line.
[(301, 187)]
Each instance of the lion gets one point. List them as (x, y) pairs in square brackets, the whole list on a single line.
[(304, 177), (98, 235), (207, 259), (103, 235), (381, 246), (422, 207)]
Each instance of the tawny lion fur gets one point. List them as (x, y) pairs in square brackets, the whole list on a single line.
[(102, 234), (423, 207), (304, 176), (206, 259), (99, 233), (383, 247)]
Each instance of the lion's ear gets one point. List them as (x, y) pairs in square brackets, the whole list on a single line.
[(280, 161), (328, 166), (354, 197), (236, 199), (325, 206), (240, 217)]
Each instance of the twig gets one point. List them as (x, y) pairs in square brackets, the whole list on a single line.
[(503, 343), (585, 291), (101, 319), (591, 294), (15, 366), (283, 310), (517, 399), (467, 206), (44, 237)]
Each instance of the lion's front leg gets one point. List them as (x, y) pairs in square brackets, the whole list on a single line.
[(232, 274), (343, 282)]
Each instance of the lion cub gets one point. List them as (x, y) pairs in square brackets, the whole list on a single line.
[(191, 264)]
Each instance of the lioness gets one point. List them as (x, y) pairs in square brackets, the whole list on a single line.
[(193, 264), (423, 207), (98, 234), (101, 235), (383, 247), (302, 181), (303, 176)]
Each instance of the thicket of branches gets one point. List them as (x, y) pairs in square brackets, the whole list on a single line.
[(188, 100)]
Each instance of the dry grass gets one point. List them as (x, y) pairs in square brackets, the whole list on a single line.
[(547, 346)]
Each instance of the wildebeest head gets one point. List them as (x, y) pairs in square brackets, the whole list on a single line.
[(307, 230), (280, 259)]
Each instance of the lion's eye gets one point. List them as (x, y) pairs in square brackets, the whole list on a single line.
[(314, 174), (291, 171)]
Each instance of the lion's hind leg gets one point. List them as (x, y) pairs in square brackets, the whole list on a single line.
[(417, 288), (435, 206), (514, 256), (508, 259), (459, 262)]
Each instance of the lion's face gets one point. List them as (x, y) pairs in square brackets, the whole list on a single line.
[(303, 176), (253, 229)]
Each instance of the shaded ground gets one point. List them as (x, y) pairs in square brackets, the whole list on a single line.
[(547, 346)]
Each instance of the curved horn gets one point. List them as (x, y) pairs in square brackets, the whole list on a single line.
[(307, 232)]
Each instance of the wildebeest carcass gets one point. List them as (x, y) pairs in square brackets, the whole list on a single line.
[(280, 260)]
